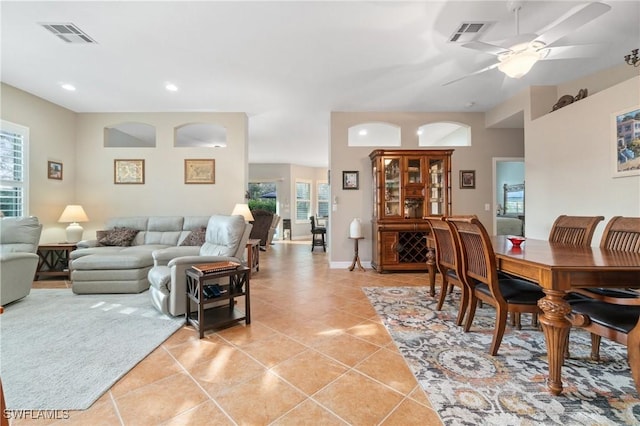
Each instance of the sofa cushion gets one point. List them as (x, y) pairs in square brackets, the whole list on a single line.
[(118, 236), (195, 237), (122, 260)]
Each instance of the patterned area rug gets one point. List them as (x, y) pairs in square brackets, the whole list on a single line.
[(468, 386)]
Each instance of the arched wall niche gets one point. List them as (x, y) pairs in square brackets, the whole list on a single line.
[(200, 135), (444, 133), (374, 134), (130, 135)]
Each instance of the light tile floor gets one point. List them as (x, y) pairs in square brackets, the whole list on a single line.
[(315, 353)]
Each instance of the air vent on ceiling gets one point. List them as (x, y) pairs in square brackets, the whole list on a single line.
[(468, 31), (68, 33)]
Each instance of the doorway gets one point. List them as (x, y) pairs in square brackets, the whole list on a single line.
[(508, 196)]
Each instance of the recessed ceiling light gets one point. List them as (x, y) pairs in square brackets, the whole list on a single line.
[(171, 87), (69, 87), (419, 132), (363, 132)]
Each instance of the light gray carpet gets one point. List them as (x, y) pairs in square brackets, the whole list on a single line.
[(59, 350)]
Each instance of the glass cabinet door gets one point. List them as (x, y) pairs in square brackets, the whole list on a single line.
[(436, 187), (414, 171), (392, 186)]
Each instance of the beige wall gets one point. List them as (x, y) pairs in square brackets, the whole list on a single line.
[(52, 137), (569, 164), (76, 140), (486, 144), (164, 191)]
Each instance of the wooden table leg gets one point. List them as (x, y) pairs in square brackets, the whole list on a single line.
[(431, 268), (633, 353), (556, 332)]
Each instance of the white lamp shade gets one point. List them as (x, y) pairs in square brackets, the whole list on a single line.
[(74, 214), (243, 210)]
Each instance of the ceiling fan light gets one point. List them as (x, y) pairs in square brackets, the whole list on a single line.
[(517, 65)]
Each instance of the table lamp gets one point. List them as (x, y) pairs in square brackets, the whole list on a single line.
[(243, 210), (74, 214)]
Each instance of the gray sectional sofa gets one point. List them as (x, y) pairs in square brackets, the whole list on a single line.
[(97, 268)]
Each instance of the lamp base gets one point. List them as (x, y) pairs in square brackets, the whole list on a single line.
[(74, 232)]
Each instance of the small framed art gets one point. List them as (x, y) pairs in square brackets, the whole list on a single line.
[(350, 180), (54, 170), (128, 171), (200, 171), (467, 179)]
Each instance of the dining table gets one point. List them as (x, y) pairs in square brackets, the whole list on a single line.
[(559, 268)]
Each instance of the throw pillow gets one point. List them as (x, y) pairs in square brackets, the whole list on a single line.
[(195, 237), (118, 236)]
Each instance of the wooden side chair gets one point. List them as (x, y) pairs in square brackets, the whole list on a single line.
[(317, 235), (574, 230), (448, 262), (480, 275), (609, 312)]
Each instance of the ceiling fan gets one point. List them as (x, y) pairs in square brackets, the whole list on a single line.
[(526, 49)]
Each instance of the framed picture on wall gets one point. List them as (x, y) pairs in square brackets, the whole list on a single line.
[(625, 143), (128, 171), (467, 179), (200, 171), (350, 180), (54, 170)]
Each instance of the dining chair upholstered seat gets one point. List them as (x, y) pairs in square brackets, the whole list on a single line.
[(574, 230), (480, 275), (448, 262), (317, 235)]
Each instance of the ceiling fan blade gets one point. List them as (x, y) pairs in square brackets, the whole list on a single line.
[(486, 47), (480, 71), (574, 51), (573, 22)]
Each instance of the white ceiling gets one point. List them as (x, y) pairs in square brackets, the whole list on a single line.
[(288, 64)]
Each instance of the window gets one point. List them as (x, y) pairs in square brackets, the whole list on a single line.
[(303, 201), (14, 149), (444, 134), (374, 134), (323, 199)]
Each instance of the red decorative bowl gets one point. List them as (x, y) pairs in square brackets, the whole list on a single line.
[(516, 241)]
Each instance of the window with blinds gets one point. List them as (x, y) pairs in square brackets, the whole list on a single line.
[(303, 201), (323, 199), (14, 141)]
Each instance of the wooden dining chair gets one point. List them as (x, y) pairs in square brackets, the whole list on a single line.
[(480, 275), (574, 230), (609, 312), (448, 262)]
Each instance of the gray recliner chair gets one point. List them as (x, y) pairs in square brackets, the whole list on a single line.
[(19, 239), (225, 240)]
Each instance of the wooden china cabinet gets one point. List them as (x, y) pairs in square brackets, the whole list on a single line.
[(408, 185)]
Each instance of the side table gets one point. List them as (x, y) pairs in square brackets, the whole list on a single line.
[(54, 260), (210, 313), (253, 254), (356, 256)]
